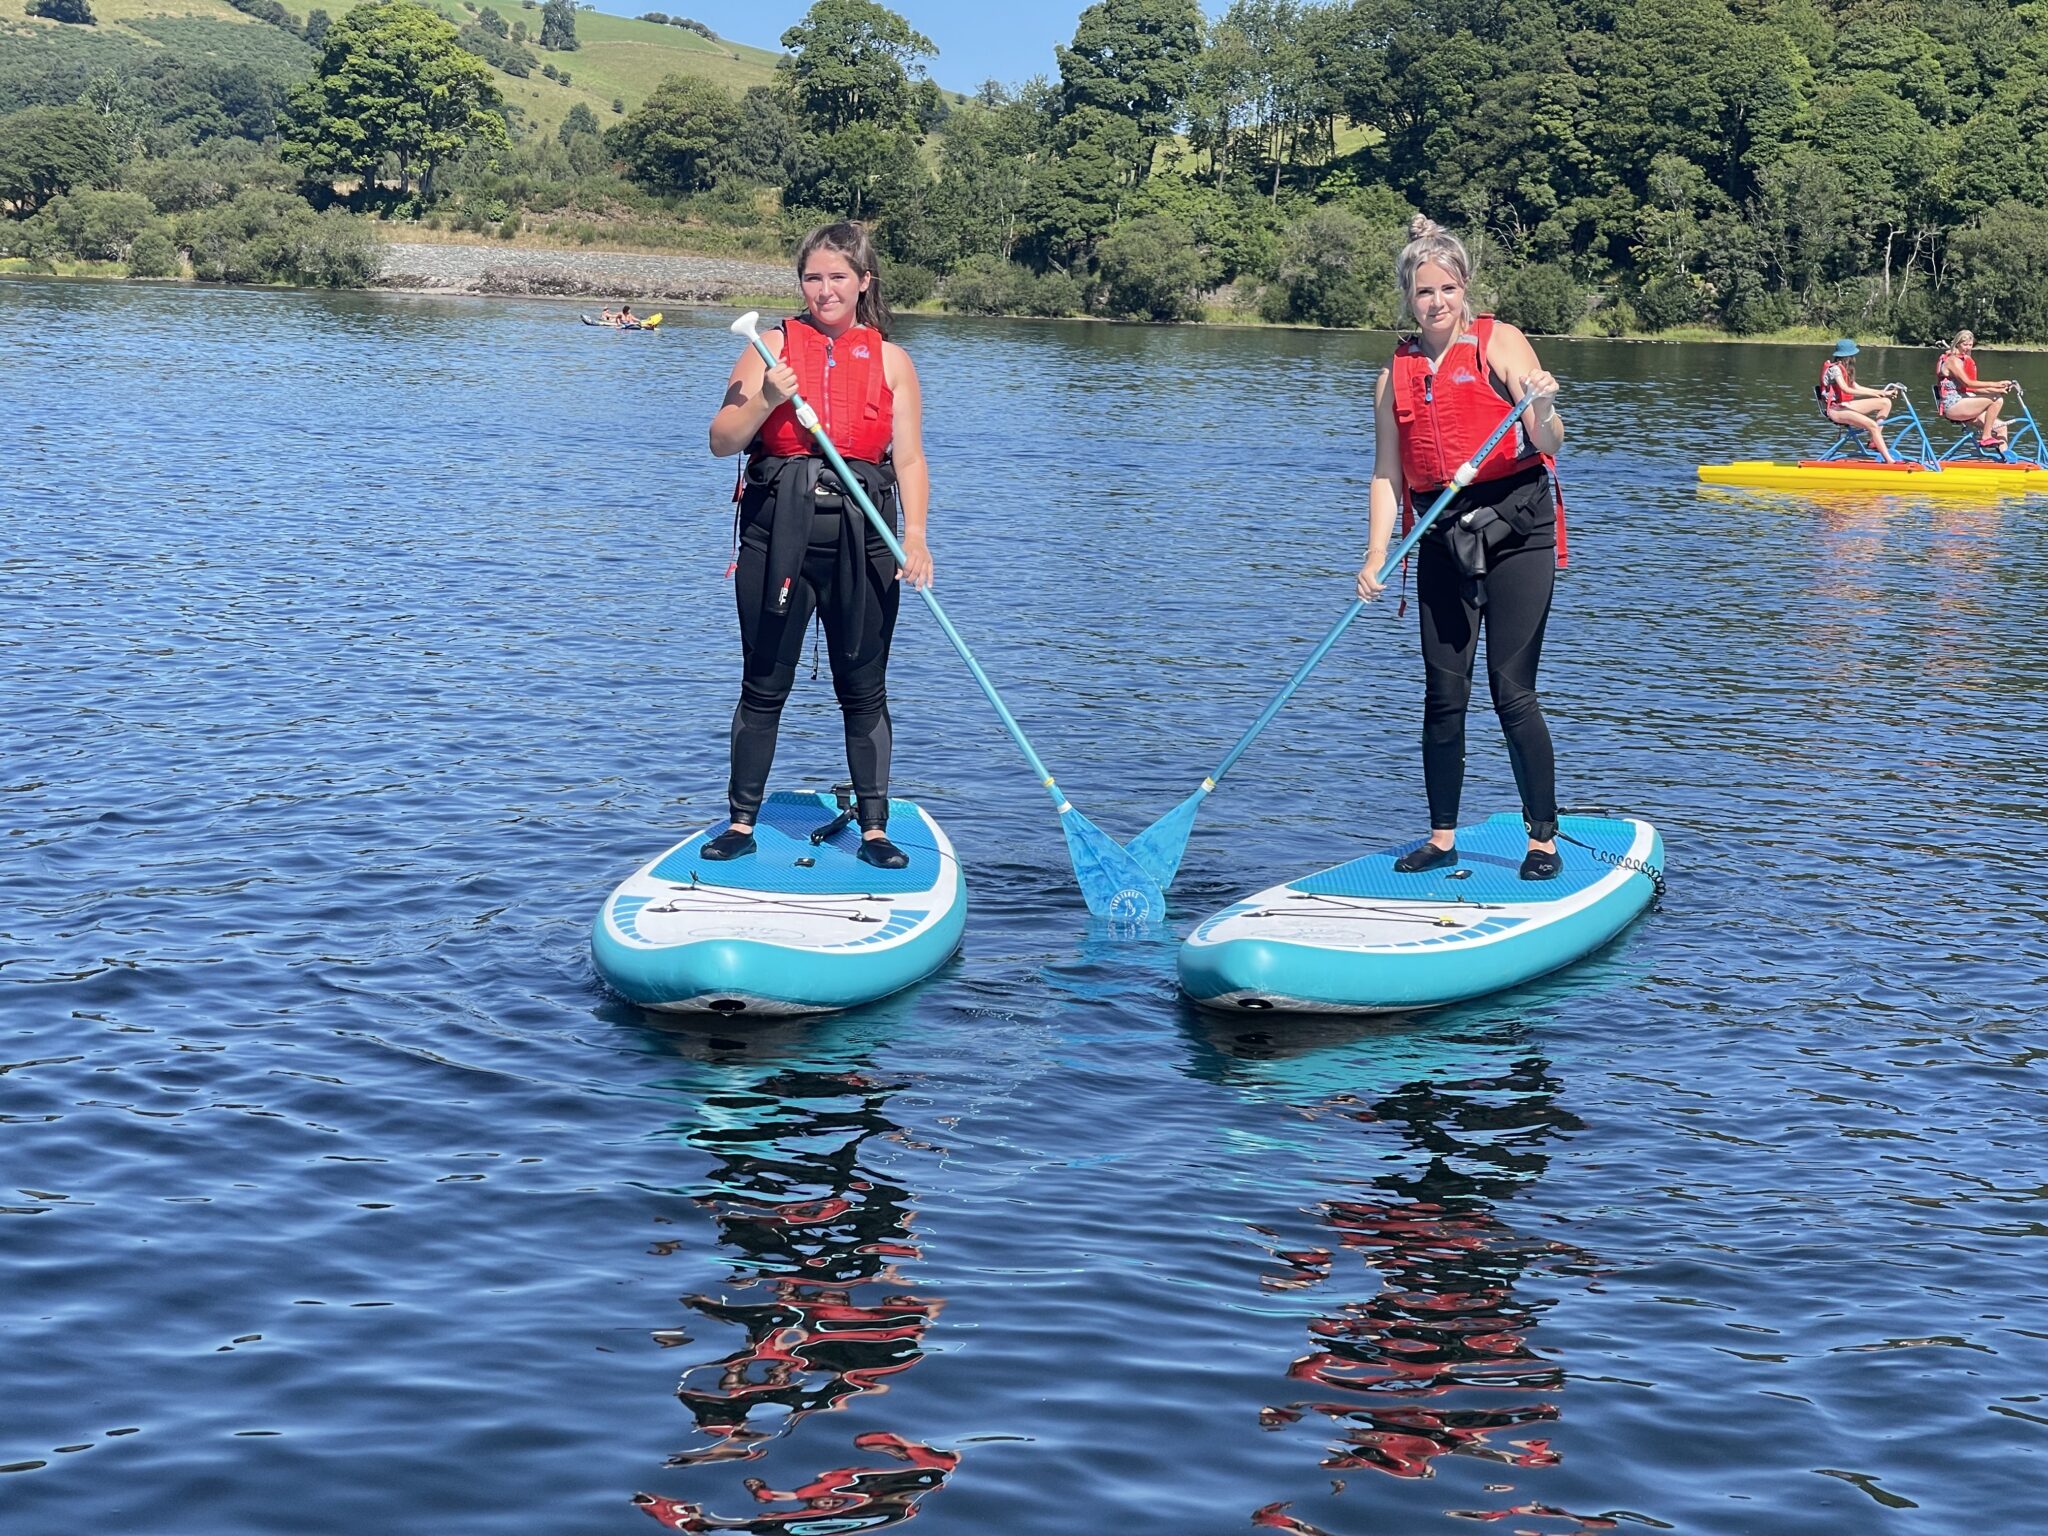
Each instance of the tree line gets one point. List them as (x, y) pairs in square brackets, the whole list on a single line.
[(1623, 165), (1633, 164)]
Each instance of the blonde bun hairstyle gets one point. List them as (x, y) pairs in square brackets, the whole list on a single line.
[(1429, 241)]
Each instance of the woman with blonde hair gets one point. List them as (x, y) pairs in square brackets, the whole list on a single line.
[(1960, 396), (1489, 562)]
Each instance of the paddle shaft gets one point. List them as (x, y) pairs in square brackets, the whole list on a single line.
[(1401, 551), (816, 428)]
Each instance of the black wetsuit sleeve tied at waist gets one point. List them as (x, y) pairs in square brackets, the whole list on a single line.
[(784, 495)]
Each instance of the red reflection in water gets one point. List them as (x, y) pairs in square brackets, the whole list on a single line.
[(1414, 1372), (817, 1235), (1274, 1517), (854, 1498)]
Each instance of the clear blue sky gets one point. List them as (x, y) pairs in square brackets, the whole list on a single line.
[(1009, 40)]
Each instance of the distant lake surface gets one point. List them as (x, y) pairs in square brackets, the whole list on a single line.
[(352, 647)]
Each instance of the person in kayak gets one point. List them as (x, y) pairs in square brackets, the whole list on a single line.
[(804, 545), (608, 317), (1960, 396), (1849, 404), (625, 319), (1490, 561)]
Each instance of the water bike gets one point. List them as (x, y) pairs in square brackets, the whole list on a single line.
[(651, 323), (1849, 465)]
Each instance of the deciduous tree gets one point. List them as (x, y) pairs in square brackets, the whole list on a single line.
[(392, 81)]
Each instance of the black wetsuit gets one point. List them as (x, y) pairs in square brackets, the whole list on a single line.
[(1511, 601), (846, 575)]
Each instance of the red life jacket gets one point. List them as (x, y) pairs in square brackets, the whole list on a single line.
[(1835, 378), (1446, 412), (1958, 377), (844, 382)]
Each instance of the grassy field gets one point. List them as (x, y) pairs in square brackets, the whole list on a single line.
[(619, 60)]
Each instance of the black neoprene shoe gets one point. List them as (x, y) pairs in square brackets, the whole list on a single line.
[(1538, 865), (882, 853), (1428, 856), (729, 845)]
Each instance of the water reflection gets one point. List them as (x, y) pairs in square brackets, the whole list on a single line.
[(1443, 1358), (822, 1312)]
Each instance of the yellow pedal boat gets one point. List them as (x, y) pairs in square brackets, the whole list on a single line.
[(1975, 478)]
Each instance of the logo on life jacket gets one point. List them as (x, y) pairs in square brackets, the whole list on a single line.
[(862, 351)]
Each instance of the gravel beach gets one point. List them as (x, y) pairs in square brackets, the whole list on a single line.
[(514, 270)]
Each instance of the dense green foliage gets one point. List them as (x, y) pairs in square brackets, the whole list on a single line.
[(77, 12), (45, 152), (852, 61), (679, 139), (1618, 165), (270, 11), (391, 82), (558, 26), (269, 237)]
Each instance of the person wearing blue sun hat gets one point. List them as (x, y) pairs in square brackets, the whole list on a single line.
[(1849, 404)]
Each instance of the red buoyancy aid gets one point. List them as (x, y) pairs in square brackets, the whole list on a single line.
[(1445, 413), (1834, 381), (1962, 369), (843, 379)]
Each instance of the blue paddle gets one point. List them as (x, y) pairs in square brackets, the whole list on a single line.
[(1112, 883), (1159, 848)]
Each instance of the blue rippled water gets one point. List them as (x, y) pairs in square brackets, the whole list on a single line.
[(353, 647)]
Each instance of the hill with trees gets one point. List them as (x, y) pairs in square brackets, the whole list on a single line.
[(1626, 165)]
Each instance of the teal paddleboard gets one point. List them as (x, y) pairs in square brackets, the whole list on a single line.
[(796, 927), (1363, 938)]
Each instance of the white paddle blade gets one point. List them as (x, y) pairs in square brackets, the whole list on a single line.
[(748, 325)]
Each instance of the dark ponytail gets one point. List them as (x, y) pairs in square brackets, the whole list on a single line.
[(851, 241)]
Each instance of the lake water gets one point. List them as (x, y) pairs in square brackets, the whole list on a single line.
[(351, 649)]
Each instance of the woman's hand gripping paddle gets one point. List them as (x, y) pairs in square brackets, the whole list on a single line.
[(1114, 884), (1160, 847)]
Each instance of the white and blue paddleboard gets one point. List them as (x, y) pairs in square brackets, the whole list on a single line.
[(795, 927), (1361, 938)]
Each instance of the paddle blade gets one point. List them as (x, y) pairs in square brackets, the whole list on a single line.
[(1113, 883), (1159, 848)]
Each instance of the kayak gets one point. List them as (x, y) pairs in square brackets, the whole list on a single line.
[(652, 322), (1363, 938), (796, 927), (1978, 477)]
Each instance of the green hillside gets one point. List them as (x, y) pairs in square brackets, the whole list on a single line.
[(620, 59)]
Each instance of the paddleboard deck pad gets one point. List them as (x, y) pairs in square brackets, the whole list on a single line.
[(793, 928), (1362, 938)]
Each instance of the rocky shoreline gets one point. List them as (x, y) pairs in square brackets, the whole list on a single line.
[(529, 272)]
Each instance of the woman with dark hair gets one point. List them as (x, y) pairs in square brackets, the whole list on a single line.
[(1849, 404), (804, 545), (1490, 561)]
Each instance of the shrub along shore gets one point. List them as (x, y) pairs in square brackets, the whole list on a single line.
[(453, 266)]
